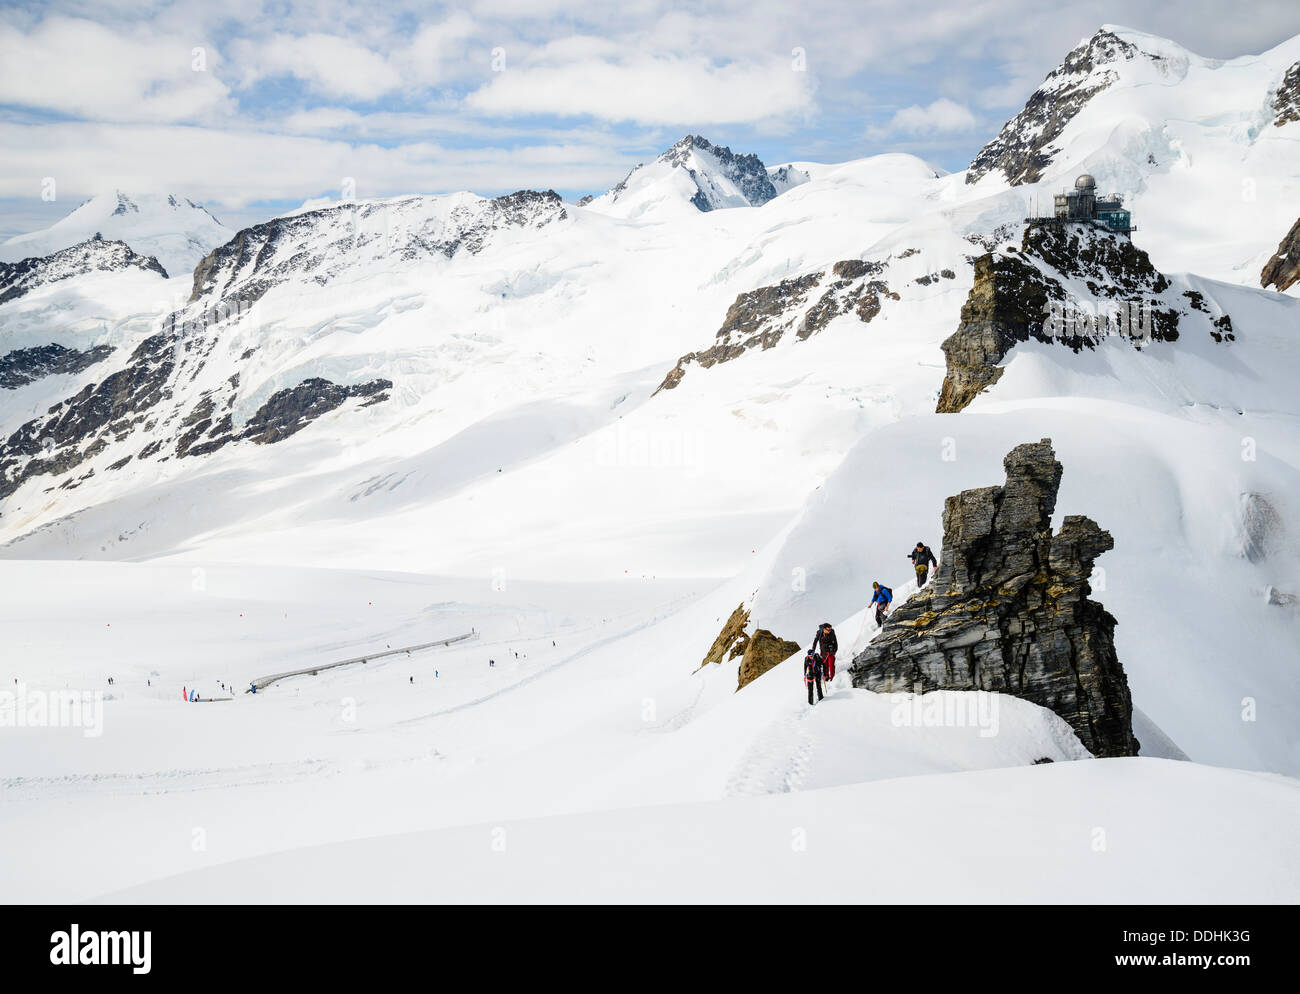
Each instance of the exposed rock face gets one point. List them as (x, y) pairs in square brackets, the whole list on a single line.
[(731, 641), (93, 255), (1286, 102), (75, 429), (1014, 292), (762, 652), (802, 304), (289, 411), (1008, 610), (23, 366), (1023, 148), (141, 396), (1283, 270)]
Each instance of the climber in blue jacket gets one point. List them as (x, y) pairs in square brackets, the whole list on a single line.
[(882, 598)]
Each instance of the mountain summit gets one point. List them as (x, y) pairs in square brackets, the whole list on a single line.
[(174, 230), (693, 173)]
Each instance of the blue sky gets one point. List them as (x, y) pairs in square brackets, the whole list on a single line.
[(254, 107)]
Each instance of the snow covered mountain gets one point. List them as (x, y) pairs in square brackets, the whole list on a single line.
[(1202, 150), (93, 255), (587, 434), (175, 231), (697, 173)]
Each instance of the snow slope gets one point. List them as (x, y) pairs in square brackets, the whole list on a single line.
[(1084, 834)]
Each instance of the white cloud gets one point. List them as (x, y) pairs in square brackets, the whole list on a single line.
[(332, 66), (78, 67), (941, 117), (593, 77), (233, 167)]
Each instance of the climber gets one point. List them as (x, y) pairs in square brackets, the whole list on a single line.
[(826, 645), (812, 674), (922, 558), (882, 598)]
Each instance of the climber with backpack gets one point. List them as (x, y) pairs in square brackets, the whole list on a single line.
[(812, 674), (825, 644), (922, 559), (882, 598)]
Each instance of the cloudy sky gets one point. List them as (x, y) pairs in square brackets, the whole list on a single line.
[(252, 107)]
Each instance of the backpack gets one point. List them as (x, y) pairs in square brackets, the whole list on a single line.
[(889, 594)]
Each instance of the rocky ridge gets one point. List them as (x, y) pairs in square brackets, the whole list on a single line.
[(1008, 610), (1061, 265)]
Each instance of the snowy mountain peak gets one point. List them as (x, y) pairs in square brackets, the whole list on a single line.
[(174, 230), (693, 173), (1025, 145)]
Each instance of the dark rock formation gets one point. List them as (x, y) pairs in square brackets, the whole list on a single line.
[(23, 366), (289, 411), (762, 652), (75, 429), (805, 304), (1023, 148), (1286, 102), (1008, 610), (732, 640), (1283, 270), (1010, 300), (91, 256)]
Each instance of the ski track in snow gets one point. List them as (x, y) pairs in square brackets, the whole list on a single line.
[(779, 758)]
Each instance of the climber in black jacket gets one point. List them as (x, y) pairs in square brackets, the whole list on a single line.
[(812, 674), (826, 645), (922, 559)]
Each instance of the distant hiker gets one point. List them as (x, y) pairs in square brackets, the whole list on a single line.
[(812, 674), (492, 662), (882, 598), (922, 559), (826, 645), (413, 679)]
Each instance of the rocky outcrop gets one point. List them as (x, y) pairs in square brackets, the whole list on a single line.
[(1286, 101), (1008, 610), (23, 366), (1023, 148), (1283, 270), (803, 304), (289, 411), (763, 651), (95, 255), (731, 641), (1016, 294)]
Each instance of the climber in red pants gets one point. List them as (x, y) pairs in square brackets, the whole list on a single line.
[(826, 645)]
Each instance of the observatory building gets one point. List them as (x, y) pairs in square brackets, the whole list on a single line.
[(1082, 204)]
